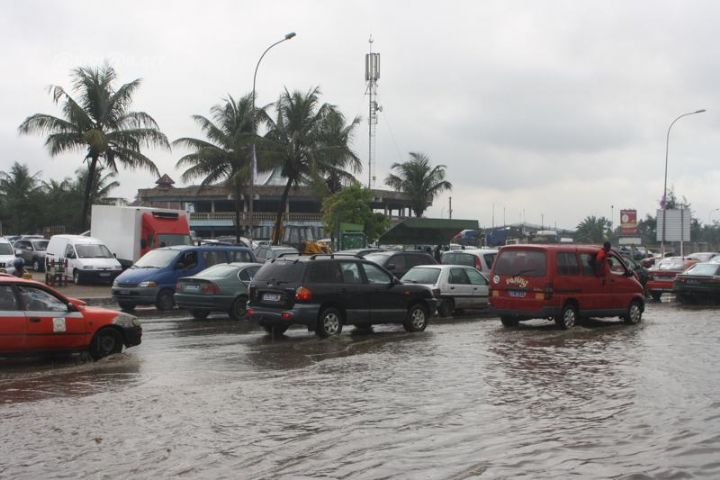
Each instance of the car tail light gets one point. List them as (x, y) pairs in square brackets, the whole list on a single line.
[(250, 312), (303, 294), (548, 291), (286, 315), (478, 264), (209, 288), (178, 286)]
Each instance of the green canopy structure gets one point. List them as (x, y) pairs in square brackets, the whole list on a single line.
[(426, 231)]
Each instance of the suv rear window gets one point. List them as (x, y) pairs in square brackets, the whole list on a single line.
[(453, 258), (528, 263), (287, 272), (324, 272)]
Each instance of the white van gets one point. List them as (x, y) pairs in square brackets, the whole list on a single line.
[(88, 259), (7, 253)]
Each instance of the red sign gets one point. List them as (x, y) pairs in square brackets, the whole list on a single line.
[(628, 222)]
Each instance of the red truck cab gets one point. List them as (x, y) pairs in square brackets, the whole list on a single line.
[(163, 229)]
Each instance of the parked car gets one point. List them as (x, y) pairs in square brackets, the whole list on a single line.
[(480, 258), (458, 286), (702, 256), (88, 259), (32, 251), (561, 282), (7, 254), (264, 253), (399, 262), (222, 287), (35, 318), (325, 292), (699, 282), (152, 279), (663, 273)]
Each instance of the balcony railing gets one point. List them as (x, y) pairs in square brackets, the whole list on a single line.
[(258, 217)]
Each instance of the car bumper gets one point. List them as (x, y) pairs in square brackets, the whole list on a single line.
[(98, 276), (135, 295), (659, 286), (133, 336), (203, 302), (297, 315)]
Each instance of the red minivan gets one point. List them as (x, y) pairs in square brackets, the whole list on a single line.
[(562, 283)]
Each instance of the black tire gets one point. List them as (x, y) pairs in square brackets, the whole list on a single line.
[(275, 330), (634, 313), (329, 323), (683, 298), (165, 300), (509, 322), (126, 307), (446, 307), (568, 317), (76, 277), (416, 319), (199, 314), (106, 342), (238, 310), (37, 265), (655, 295)]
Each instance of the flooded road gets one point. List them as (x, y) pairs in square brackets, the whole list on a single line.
[(465, 399)]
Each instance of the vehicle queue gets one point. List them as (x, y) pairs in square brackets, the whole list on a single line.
[(324, 292)]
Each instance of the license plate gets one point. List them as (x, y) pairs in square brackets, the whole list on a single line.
[(191, 288), (105, 274), (695, 282), (516, 293), (123, 292), (271, 297)]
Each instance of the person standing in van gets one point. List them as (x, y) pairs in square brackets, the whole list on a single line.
[(601, 260)]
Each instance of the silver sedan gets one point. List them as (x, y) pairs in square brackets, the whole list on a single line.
[(458, 286)]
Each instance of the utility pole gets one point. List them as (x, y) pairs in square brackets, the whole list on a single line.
[(372, 75), (450, 208)]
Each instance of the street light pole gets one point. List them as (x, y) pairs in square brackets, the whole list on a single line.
[(664, 197), (253, 167)]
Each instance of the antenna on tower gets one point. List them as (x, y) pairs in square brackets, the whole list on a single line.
[(372, 74)]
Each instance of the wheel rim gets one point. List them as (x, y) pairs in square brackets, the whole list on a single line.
[(569, 317), (417, 318), (106, 344), (331, 323), (239, 309), (635, 313)]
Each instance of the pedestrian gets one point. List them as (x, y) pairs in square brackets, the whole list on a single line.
[(601, 260), (437, 253), (19, 265)]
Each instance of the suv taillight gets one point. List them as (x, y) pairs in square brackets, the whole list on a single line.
[(436, 292), (303, 294)]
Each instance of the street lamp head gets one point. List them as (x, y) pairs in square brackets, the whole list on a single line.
[(292, 34), (701, 111)]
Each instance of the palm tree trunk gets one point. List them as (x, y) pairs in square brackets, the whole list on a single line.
[(84, 220), (238, 190), (277, 232)]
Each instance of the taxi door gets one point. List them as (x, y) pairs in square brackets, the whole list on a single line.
[(12, 321), (49, 323)]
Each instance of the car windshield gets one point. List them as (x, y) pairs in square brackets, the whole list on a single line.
[(40, 245), (675, 263), (528, 263), (169, 239), (703, 269), (219, 271), (426, 276), (458, 258), (156, 259), (6, 249), (93, 250), (379, 258), (281, 272)]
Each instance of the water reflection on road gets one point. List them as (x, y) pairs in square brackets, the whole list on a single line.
[(465, 399)]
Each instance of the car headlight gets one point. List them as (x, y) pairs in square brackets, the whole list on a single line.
[(149, 284), (115, 283), (125, 320)]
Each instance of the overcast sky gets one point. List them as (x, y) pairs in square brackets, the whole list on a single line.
[(554, 109)]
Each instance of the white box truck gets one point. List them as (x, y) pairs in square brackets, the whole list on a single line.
[(130, 232)]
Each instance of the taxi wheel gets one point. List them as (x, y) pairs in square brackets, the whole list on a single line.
[(106, 342), (238, 311), (416, 320), (165, 300), (568, 317), (447, 305), (275, 331), (199, 314), (509, 322), (634, 313), (329, 323)]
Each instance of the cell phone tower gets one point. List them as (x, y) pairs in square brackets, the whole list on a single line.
[(372, 75)]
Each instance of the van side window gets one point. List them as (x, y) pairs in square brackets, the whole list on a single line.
[(567, 264), (587, 260), (69, 251)]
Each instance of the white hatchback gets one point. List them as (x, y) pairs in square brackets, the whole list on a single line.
[(458, 286)]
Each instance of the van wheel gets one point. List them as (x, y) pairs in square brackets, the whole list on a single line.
[(165, 300), (416, 320), (76, 277), (275, 331), (238, 310), (447, 305), (199, 314), (509, 322), (106, 342), (634, 313), (655, 295), (568, 317), (329, 323)]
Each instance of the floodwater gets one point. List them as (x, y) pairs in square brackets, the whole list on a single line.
[(465, 399)]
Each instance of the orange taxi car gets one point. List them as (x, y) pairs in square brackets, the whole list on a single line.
[(35, 318)]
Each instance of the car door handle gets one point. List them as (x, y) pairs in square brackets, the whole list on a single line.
[(35, 319)]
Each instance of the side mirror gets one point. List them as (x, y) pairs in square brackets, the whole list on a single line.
[(72, 308)]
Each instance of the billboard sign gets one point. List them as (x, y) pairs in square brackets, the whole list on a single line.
[(628, 222), (677, 225)]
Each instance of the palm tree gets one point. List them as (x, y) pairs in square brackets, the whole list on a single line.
[(592, 230), (98, 121), (419, 180), (17, 189), (308, 141), (226, 155), (101, 184)]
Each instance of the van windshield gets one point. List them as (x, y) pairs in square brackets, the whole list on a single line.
[(92, 251), (528, 263), (156, 259)]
